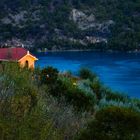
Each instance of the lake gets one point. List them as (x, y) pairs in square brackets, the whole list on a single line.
[(119, 71)]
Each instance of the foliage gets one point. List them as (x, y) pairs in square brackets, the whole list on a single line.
[(64, 87), (49, 75), (110, 95), (53, 16), (97, 88), (32, 113), (86, 73), (60, 108), (34, 126), (113, 123), (103, 103), (79, 99), (20, 115)]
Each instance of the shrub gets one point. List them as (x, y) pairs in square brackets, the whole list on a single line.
[(20, 114), (18, 94), (75, 96), (97, 88), (103, 103), (86, 73), (84, 85), (34, 126), (136, 102), (64, 116), (49, 75), (113, 123), (110, 95), (58, 89), (80, 99)]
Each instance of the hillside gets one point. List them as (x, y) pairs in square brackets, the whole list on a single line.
[(45, 104), (71, 24)]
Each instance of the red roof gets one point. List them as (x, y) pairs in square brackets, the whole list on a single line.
[(12, 54)]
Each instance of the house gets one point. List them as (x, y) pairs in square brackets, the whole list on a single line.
[(20, 55)]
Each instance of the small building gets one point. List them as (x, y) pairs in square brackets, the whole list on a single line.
[(19, 55)]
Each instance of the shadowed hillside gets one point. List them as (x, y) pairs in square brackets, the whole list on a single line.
[(72, 24)]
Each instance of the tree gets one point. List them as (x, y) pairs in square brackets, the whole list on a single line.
[(113, 123)]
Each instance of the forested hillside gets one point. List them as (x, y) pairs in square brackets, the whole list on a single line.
[(72, 24)]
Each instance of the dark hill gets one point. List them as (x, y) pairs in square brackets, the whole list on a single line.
[(72, 24)]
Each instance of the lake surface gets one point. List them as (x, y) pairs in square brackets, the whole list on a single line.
[(119, 71)]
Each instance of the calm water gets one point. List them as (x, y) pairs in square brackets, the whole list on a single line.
[(120, 71)]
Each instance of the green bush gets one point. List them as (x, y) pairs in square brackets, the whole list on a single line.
[(80, 99), (97, 88), (18, 94), (116, 96), (34, 126), (86, 73), (49, 75), (113, 123)]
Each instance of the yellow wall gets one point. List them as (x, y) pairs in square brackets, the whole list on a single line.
[(31, 61)]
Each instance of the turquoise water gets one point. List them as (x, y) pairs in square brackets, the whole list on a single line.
[(119, 71)]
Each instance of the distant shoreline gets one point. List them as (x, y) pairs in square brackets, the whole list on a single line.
[(88, 50)]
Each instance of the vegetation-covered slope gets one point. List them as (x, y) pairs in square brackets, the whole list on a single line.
[(47, 105), (72, 24)]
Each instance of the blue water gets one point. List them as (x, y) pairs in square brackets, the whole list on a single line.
[(119, 71)]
